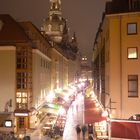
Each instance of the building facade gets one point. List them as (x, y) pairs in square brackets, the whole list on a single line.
[(33, 63), (115, 60), (16, 73), (59, 68), (55, 29)]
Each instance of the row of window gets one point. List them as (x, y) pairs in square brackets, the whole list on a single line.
[(132, 85), (24, 80), (132, 51), (45, 63), (23, 77), (22, 100)]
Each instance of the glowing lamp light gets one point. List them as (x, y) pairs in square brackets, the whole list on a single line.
[(55, 106), (79, 85), (66, 98), (97, 104), (104, 125), (80, 80), (105, 114), (83, 83), (62, 111), (50, 96), (73, 88), (21, 136), (58, 90), (97, 108), (8, 123), (93, 94)]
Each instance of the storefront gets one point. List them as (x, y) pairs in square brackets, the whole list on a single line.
[(21, 120)]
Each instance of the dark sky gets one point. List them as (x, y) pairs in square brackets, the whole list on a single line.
[(83, 16)]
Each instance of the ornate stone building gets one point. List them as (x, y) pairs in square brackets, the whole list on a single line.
[(55, 29), (32, 64)]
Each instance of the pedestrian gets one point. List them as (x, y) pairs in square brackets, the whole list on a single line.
[(1, 137), (12, 137), (48, 137), (26, 138), (90, 138)]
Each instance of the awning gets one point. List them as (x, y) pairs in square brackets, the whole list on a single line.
[(92, 114), (21, 111), (50, 108), (125, 129)]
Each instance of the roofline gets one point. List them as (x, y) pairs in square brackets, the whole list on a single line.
[(110, 15)]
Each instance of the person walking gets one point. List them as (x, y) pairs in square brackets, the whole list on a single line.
[(1, 137), (12, 137)]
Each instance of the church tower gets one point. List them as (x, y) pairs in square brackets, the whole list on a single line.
[(54, 26)]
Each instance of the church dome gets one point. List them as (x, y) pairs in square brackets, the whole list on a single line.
[(54, 26)]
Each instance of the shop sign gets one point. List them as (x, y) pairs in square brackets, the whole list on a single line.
[(22, 114)]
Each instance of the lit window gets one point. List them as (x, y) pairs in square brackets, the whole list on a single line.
[(21, 100), (24, 94), (131, 28), (24, 100), (18, 94), (132, 85), (132, 53), (18, 100)]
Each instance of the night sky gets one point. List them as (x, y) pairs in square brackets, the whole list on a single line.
[(84, 17)]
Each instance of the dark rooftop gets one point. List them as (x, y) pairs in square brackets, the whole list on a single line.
[(122, 6), (11, 31)]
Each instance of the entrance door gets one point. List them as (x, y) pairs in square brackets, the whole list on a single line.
[(22, 122)]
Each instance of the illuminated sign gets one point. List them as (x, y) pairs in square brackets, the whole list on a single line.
[(22, 114), (8, 123)]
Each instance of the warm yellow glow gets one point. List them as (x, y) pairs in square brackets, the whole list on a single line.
[(58, 90), (21, 136), (18, 94), (18, 100), (132, 53), (97, 104), (62, 111), (46, 127), (24, 94), (50, 96), (24, 100), (66, 98), (105, 114), (97, 108), (104, 125)]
